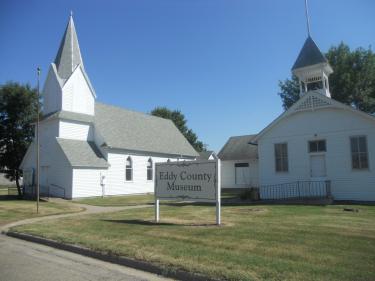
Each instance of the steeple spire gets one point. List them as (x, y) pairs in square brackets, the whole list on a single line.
[(69, 55)]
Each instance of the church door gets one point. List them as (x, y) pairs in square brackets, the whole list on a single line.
[(317, 166)]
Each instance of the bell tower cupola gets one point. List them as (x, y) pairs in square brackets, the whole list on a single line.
[(312, 69)]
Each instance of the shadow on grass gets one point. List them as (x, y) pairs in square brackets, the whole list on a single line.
[(153, 223), (16, 197), (9, 197)]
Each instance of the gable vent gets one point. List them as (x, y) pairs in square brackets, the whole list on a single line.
[(312, 102)]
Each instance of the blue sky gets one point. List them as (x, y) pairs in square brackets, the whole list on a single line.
[(219, 62)]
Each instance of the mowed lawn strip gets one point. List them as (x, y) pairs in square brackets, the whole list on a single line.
[(12, 209), (126, 200), (254, 243)]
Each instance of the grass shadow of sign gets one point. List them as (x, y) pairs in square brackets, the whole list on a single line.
[(9, 197), (153, 223)]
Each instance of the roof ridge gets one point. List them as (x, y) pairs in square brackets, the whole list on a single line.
[(251, 135)]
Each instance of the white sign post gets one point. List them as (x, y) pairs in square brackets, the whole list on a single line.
[(189, 181)]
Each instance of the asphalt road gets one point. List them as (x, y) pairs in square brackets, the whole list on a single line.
[(25, 261)]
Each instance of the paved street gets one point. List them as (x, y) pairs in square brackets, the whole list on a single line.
[(25, 261)]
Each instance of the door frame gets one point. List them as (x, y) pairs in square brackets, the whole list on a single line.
[(325, 165)]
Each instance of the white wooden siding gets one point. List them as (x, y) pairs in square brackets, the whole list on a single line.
[(75, 130), (86, 182), (60, 177), (51, 93), (116, 183), (76, 94), (228, 173), (336, 126), (57, 169)]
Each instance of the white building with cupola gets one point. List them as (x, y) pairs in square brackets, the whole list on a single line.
[(88, 148), (318, 145)]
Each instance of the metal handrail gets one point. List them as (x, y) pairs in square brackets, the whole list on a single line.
[(297, 189), (57, 186)]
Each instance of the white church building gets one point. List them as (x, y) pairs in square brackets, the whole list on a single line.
[(89, 148), (317, 140)]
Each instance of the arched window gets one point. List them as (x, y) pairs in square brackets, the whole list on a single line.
[(149, 169), (129, 169)]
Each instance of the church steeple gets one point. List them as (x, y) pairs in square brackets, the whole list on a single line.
[(311, 66), (68, 87), (312, 69), (69, 55)]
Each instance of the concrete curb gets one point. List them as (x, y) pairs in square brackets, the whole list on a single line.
[(140, 265)]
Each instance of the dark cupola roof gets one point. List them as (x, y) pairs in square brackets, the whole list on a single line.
[(309, 55)]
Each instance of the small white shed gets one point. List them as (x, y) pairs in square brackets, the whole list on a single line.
[(239, 163)]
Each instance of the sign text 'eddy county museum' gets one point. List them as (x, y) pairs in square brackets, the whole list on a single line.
[(187, 180)]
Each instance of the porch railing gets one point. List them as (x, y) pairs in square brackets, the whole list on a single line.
[(296, 190)]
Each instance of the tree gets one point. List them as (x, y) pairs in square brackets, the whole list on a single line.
[(289, 91), (352, 82), (18, 109), (179, 120)]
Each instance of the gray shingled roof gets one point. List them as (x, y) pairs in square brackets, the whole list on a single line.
[(82, 153), (309, 55), (68, 115), (238, 148), (130, 130), (204, 155), (68, 56)]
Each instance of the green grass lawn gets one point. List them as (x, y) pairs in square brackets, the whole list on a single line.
[(127, 200), (12, 209), (264, 242)]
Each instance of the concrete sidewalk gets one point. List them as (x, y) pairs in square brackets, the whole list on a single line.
[(25, 261), (22, 260)]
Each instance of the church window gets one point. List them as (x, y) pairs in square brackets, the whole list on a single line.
[(149, 169), (317, 146), (281, 157), (242, 173), (358, 146), (129, 169)]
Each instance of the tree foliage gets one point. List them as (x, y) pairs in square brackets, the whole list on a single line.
[(179, 120), (18, 109), (352, 82)]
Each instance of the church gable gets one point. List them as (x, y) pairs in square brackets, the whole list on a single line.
[(77, 95), (312, 102), (52, 91), (315, 108)]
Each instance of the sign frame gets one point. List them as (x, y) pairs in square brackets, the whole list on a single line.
[(217, 182)]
